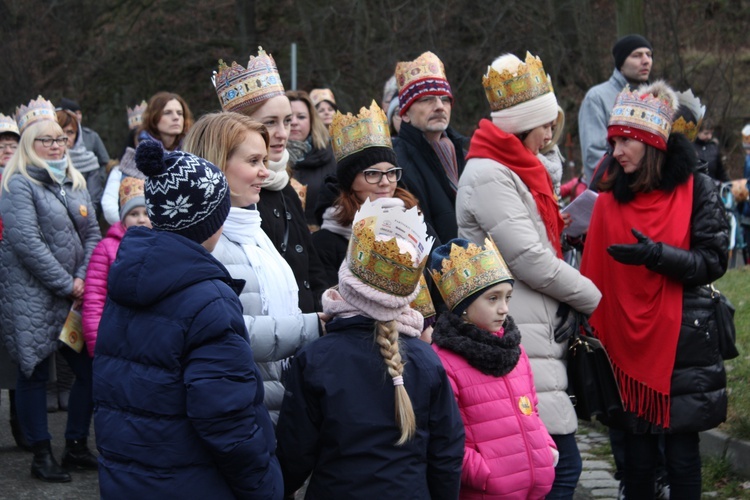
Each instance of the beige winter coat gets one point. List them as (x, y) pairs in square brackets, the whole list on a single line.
[(493, 200)]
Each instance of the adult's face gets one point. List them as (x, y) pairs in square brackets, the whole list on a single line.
[(538, 137), (383, 187), (71, 133), (276, 115), (300, 125), (629, 153), (325, 112), (8, 147), (430, 114), (50, 145), (246, 170), (172, 120), (637, 66)]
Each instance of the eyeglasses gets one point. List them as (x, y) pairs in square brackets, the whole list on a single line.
[(10, 145), (375, 176), (47, 141)]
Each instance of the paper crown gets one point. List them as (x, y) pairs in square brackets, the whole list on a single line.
[(388, 248), (135, 115), (469, 270), (689, 128), (505, 89), (37, 110), (644, 112), (423, 76), (319, 95), (423, 303), (8, 125), (238, 87), (350, 134)]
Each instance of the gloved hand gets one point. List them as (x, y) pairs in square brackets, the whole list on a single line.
[(571, 321), (645, 252)]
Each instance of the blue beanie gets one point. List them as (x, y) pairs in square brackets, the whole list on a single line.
[(185, 194)]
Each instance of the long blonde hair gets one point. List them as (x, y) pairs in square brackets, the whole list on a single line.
[(386, 336), (25, 155)]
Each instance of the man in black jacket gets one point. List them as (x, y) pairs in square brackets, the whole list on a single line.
[(430, 153)]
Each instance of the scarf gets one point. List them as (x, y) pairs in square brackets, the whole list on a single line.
[(446, 152), (278, 177), (59, 169), (639, 317), (83, 159), (494, 354), (331, 224), (278, 287), (491, 142), (354, 297)]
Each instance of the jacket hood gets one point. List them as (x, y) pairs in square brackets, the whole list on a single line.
[(151, 265)]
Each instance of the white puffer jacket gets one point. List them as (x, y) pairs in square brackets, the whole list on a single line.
[(494, 200)]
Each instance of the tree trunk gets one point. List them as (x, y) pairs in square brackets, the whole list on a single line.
[(247, 31), (630, 17)]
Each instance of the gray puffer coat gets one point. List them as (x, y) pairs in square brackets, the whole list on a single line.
[(40, 255)]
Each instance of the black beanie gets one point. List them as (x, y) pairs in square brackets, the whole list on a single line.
[(626, 45), (349, 166)]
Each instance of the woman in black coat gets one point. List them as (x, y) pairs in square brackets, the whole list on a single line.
[(657, 234)]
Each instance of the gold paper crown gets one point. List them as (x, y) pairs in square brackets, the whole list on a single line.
[(319, 95), (691, 102), (505, 89), (8, 125), (238, 87), (644, 112), (423, 303), (468, 270), (427, 65), (350, 134), (135, 115), (37, 110), (375, 255)]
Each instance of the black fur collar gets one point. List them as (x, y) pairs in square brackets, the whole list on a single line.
[(488, 353), (680, 162)]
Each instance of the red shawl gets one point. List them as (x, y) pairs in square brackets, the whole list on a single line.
[(638, 319), (491, 142)]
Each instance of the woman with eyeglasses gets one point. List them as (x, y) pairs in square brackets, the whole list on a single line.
[(362, 173), (49, 235)]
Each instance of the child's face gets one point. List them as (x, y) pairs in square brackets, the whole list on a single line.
[(490, 310), (137, 217)]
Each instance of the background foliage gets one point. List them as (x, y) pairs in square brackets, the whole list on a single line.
[(109, 54)]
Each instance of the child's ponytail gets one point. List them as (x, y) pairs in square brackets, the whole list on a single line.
[(387, 338)]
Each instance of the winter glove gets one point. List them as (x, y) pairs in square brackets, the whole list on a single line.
[(645, 252), (571, 321)]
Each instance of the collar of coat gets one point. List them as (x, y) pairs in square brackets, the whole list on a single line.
[(488, 353)]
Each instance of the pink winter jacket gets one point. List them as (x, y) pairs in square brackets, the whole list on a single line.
[(508, 449), (95, 289)]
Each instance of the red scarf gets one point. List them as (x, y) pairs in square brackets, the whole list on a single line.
[(491, 142), (638, 319)]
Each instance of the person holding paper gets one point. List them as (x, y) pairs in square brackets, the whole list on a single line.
[(49, 235), (507, 193)]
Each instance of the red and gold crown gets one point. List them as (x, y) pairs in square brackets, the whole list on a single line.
[(319, 95), (8, 125), (388, 248), (135, 115), (239, 87), (421, 77), (37, 110), (685, 127), (468, 270), (505, 89), (645, 114), (351, 134)]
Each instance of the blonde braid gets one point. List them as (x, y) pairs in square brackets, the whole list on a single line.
[(387, 338)]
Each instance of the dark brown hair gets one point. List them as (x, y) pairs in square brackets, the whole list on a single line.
[(645, 179), (154, 112), (66, 117)]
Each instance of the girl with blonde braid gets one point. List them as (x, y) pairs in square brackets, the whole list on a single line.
[(368, 408)]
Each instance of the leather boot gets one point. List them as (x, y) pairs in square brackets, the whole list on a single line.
[(78, 456), (45, 467)]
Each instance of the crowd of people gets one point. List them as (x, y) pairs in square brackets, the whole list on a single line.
[(291, 301)]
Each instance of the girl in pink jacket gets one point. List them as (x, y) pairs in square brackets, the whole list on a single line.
[(508, 453), (132, 213)]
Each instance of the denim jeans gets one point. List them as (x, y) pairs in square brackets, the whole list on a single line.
[(683, 462), (31, 398), (568, 468)]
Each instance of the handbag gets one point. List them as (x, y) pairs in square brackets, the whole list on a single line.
[(727, 334), (592, 386)]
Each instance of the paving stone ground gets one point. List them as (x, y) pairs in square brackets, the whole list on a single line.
[(597, 479)]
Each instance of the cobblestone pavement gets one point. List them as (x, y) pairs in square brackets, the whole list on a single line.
[(597, 479)]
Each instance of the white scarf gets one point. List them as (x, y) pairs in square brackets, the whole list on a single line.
[(278, 288), (278, 177)]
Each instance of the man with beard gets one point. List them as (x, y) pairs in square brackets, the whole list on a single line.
[(430, 153)]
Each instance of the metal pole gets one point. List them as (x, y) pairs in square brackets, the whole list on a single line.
[(294, 66)]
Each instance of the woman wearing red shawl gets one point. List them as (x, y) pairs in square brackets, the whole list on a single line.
[(505, 191), (657, 231)]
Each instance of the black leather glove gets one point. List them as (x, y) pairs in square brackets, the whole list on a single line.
[(644, 253), (571, 321)]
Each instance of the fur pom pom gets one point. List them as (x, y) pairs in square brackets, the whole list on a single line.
[(149, 158), (663, 91)]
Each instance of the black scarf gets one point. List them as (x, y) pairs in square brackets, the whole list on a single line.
[(488, 353)]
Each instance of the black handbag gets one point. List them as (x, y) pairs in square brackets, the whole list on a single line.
[(727, 335), (592, 387)]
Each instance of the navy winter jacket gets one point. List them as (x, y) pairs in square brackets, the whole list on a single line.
[(178, 399)]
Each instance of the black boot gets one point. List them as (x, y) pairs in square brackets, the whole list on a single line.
[(15, 425), (78, 456), (45, 467)]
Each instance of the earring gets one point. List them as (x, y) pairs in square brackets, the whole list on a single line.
[(464, 313)]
